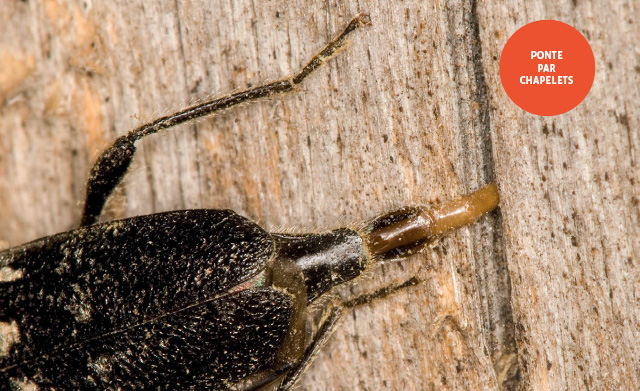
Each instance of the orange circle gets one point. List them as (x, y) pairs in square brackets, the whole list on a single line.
[(547, 67)]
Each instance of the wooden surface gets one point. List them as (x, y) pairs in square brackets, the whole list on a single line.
[(542, 294)]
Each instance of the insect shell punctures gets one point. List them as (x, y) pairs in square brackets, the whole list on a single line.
[(193, 299)]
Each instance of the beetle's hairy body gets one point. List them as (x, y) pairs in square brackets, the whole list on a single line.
[(143, 302), (194, 299)]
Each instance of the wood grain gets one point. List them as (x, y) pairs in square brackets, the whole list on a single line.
[(540, 295), (569, 187)]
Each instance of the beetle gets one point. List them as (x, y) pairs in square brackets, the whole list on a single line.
[(194, 299)]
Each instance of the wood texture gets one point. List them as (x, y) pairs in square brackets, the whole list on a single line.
[(570, 191), (540, 295)]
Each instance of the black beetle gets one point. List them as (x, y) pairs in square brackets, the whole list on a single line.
[(194, 299)]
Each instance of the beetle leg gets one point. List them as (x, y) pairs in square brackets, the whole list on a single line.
[(325, 330), (291, 373), (112, 165)]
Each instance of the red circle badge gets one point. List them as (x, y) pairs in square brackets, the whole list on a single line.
[(547, 67)]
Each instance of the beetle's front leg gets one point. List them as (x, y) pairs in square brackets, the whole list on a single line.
[(113, 164), (328, 325), (320, 338)]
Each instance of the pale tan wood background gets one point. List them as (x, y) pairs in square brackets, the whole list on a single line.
[(543, 294)]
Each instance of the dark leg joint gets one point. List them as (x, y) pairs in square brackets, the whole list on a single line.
[(106, 173)]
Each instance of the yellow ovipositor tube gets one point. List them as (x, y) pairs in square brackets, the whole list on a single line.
[(413, 227)]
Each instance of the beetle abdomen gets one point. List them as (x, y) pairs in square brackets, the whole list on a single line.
[(212, 344), (93, 281)]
